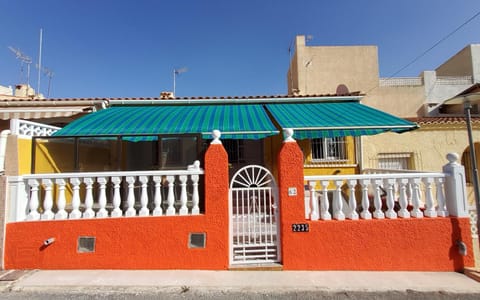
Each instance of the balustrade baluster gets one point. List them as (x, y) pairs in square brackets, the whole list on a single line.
[(390, 184), (102, 198), (61, 200), (429, 207), (324, 203), (48, 200), (195, 195), (338, 201), (403, 200), (75, 213), (88, 213), (144, 197), (352, 201), (131, 212), (171, 196), (116, 212), (157, 211), (441, 209), (313, 205), (377, 200), (183, 195), (33, 213), (416, 212), (365, 213)]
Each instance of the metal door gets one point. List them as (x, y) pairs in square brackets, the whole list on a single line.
[(253, 204)]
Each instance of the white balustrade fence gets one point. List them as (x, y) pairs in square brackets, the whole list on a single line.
[(393, 195), (105, 194), (29, 128)]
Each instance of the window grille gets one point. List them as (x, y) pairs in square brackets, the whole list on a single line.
[(394, 161), (329, 149)]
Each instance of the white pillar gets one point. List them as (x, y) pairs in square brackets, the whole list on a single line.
[(48, 200), (157, 211), (455, 187), (144, 197), (88, 213), (365, 213), (352, 201), (195, 196), (102, 198), (131, 212), (324, 203), (76, 213), (61, 200), (183, 195), (116, 212), (171, 196), (33, 214)]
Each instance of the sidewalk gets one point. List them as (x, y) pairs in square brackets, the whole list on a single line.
[(267, 282)]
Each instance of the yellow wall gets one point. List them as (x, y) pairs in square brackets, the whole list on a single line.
[(24, 148)]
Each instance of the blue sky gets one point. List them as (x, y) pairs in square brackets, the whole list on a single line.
[(112, 48)]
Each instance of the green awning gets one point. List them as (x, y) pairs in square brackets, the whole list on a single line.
[(249, 121), (334, 119)]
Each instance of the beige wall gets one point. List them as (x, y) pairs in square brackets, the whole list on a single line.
[(320, 70), (401, 101), (458, 65), (429, 146)]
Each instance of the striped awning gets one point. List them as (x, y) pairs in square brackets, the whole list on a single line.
[(334, 119), (249, 121)]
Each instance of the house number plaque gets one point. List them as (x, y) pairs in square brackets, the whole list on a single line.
[(303, 227)]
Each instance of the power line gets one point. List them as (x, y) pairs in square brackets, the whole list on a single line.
[(436, 44), (432, 47)]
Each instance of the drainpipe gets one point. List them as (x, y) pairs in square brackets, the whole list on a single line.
[(3, 148)]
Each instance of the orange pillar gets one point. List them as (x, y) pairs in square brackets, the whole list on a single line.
[(216, 196), (291, 193)]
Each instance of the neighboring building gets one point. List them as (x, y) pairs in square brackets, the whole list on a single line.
[(327, 69)]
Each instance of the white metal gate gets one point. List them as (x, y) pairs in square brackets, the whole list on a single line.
[(254, 234)]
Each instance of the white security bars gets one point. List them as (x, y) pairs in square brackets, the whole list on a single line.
[(105, 194), (380, 196)]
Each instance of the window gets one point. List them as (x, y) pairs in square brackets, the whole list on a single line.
[(235, 150), (395, 161), (328, 149)]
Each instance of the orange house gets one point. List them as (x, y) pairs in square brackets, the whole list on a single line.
[(175, 198)]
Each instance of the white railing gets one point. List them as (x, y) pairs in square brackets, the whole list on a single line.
[(105, 194), (390, 196), (454, 80), (401, 81), (28, 128)]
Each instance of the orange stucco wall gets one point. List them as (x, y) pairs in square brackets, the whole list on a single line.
[(427, 244), (131, 243)]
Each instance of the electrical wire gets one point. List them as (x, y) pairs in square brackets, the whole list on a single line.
[(431, 48)]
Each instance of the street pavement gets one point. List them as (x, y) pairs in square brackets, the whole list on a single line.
[(183, 284)]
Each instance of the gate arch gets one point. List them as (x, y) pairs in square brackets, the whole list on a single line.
[(254, 215)]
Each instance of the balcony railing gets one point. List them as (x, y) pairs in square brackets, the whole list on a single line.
[(105, 194), (388, 195)]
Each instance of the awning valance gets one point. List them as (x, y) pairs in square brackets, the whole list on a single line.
[(233, 121), (333, 119)]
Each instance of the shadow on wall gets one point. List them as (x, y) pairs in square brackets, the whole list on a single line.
[(459, 246)]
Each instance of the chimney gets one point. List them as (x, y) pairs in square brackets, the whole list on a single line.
[(23, 90), (166, 95)]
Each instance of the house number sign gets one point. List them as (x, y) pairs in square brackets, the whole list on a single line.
[(303, 227)]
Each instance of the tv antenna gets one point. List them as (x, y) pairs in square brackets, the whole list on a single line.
[(49, 73), (24, 60), (175, 73)]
